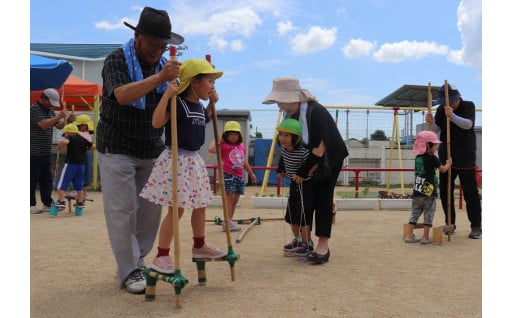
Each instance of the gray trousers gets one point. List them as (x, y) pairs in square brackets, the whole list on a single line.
[(132, 222)]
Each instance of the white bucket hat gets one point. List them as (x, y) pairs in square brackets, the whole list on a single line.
[(287, 90)]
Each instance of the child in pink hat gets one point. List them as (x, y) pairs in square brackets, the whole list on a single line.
[(425, 184)]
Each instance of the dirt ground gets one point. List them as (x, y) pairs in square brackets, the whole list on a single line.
[(371, 272)]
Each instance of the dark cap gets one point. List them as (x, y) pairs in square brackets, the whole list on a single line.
[(453, 94), (156, 24)]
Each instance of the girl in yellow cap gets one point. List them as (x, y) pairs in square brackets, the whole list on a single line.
[(197, 82), (232, 151), (86, 128)]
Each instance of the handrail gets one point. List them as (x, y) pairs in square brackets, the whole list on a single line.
[(355, 170)]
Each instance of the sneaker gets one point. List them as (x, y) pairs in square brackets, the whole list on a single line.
[(163, 264), (233, 227), (45, 208), (304, 249), (476, 233), (35, 210), (413, 239), (136, 282), (79, 204), (59, 204), (208, 251), (292, 246)]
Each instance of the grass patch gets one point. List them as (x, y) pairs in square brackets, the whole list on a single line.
[(364, 193)]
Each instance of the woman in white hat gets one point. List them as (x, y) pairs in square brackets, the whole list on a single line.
[(321, 136), (197, 82)]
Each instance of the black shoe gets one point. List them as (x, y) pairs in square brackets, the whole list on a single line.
[(476, 233), (319, 258)]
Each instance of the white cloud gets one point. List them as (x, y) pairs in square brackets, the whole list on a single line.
[(237, 45), (284, 27), (316, 39), (241, 21), (217, 42), (405, 50), (358, 47), (469, 25), (106, 25), (119, 24)]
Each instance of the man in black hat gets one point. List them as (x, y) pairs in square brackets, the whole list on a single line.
[(134, 79), (463, 153)]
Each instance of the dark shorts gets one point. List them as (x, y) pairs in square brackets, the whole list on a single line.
[(234, 184), (300, 206)]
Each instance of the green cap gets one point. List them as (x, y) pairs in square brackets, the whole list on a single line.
[(291, 126)]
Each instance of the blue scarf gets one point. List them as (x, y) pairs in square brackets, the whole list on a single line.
[(135, 72)]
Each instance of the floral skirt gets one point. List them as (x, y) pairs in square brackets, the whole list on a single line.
[(193, 181)]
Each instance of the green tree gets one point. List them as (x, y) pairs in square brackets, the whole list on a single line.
[(378, 135)]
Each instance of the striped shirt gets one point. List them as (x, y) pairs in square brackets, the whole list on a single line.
[(125, 129), (40, 139), (291, 161)]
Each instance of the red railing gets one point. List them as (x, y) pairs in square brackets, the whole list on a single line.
[(356, 172)]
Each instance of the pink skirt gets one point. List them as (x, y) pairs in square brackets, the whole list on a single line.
[(193, 181)]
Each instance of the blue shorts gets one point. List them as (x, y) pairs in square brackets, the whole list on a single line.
[(71, 173), (234, 184)]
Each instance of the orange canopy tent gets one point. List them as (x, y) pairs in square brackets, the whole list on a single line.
[(75, 93)]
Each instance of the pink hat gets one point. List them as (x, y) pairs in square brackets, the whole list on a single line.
[(422, 138)]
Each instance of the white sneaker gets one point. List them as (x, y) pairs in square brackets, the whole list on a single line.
[(45, 208), (136, 282), (35, 210)]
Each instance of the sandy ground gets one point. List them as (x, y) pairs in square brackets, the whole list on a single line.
[(371, 273)]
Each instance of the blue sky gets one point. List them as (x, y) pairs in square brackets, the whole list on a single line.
[(345, 52)]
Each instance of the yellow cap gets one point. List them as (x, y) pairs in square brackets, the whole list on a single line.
[(84, 119), (233, 126), (70, 129), (192, 67)]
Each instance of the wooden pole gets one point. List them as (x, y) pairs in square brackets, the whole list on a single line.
[(270, 156), (448, 156), (222, 184), (175, 216), (429, 104)]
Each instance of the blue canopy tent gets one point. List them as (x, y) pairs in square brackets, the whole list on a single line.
[(46, 72)]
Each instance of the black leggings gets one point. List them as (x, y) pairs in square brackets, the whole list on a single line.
[(323, 200), (467, 179)]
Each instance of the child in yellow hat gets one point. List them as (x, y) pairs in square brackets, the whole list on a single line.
[(73, 170), (86, 128), (197, 82), (232, 152)]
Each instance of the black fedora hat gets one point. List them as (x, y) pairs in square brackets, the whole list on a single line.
[(156, 24)]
